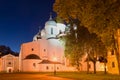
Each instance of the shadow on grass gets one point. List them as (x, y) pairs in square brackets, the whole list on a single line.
[(85, 76), (71, 75)]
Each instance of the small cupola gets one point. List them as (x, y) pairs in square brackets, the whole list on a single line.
[(50, 21)]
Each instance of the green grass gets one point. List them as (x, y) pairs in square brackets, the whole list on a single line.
[(71, 75), (85, 76)]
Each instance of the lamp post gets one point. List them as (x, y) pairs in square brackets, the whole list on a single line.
[(75, 29), (55, 60)]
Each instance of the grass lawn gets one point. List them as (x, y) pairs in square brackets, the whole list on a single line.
[(85, 76), (71, 75)]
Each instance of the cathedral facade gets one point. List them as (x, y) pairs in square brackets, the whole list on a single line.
[(45, 52)]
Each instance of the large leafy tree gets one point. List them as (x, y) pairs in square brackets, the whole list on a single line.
[(74, 42), (99, 16), (80, 42)]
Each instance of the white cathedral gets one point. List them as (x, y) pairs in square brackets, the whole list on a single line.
[(45, 52)]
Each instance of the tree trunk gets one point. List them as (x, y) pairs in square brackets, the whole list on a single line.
[(88, 66), (116, 48), (94, 63), (105, 68), (117, 55)]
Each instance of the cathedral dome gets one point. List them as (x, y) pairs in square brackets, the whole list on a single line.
[(51, 22)]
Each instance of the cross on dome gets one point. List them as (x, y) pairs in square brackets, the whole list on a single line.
[(50, 16)]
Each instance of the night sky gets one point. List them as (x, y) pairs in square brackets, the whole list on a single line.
[(20, 20)]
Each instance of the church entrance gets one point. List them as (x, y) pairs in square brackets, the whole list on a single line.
[(9, 69)]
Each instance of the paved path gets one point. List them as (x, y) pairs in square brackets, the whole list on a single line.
[(23, 76)]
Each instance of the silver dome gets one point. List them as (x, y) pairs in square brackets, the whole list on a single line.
[(51, 22)]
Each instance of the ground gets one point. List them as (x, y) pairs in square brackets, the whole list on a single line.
[(29, 76), (58, 76)]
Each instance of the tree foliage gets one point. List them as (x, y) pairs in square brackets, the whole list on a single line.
[(82, 44), (6, 50), (99, 16)]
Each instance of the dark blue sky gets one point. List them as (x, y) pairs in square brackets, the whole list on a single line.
[(20, 20)]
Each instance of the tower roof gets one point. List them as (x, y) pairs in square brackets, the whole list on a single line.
[(51, 21)]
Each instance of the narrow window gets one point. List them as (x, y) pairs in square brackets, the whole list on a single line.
[(9, 63), (113, 64), (32, 49), (34, 64), (57, 68), (51, 30), (47, 67), (112, 52), (44, 50), (89, 66)]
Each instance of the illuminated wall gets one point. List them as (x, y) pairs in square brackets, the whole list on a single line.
[(9, 63)]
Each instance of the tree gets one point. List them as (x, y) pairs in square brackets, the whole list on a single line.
[(6, 50), (73, 44), (97, 49), (83, 43), (99, 16)]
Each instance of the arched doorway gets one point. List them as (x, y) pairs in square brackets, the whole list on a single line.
[(9, 69)]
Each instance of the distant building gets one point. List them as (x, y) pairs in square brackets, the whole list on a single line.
[(9, 63), (114, 58)]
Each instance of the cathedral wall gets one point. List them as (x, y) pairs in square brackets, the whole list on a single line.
[(30, 65), (55, 50), (30, 48), (44, 49), (52, 67)]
